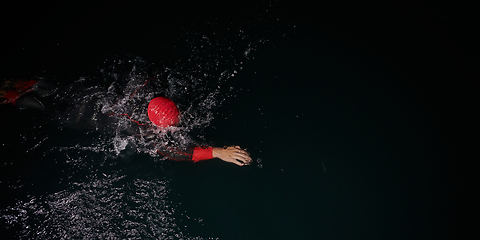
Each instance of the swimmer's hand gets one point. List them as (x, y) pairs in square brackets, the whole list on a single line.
[(234, 155)]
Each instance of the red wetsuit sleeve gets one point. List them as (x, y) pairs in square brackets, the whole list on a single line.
[(200, 154)]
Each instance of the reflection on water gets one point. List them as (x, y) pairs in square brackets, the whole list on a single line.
[(97, 196)]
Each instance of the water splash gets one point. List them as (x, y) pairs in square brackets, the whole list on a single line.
[(101, 208), (259, 163)]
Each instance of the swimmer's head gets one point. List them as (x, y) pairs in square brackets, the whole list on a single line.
[(163, 112)]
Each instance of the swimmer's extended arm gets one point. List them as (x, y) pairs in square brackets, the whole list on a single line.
[(234, 155)]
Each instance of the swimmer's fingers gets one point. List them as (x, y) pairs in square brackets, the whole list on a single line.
[(238, 159), (237, 162), (233, 155), (242, 156), (238, 151), (233, 160)]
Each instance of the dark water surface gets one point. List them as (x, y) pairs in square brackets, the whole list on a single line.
[(344, 146)]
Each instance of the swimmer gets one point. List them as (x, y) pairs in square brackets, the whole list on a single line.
[(164, 113)]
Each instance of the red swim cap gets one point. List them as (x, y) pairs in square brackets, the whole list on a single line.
[(163, 112)]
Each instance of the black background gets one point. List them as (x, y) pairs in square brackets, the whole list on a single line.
[(429, 47)]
